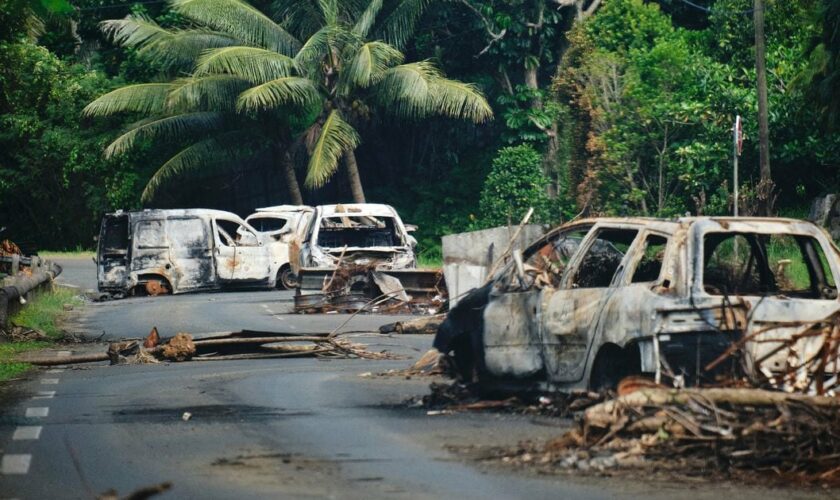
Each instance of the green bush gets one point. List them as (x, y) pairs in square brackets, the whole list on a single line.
[(515, 183)]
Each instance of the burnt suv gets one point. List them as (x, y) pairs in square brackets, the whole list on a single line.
[(596, 300)]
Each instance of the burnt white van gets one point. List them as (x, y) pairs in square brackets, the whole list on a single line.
[(175, 251)]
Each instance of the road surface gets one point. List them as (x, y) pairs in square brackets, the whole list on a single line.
[(283, 428)]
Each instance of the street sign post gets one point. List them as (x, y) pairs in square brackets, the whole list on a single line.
[(737, 146)]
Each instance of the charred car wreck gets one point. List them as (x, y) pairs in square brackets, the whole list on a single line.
[(352, 253), (597, 300), (175, 251)]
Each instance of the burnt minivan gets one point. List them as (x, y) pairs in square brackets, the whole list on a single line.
[(176, 251)]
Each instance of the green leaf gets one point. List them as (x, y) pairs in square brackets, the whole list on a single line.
[(254, 64), (149, 98), (336, 137), (167, 129), (278, 92), (241, 20)]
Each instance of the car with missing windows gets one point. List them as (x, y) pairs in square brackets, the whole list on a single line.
[(282, 228), (597, 300), (175, 251)]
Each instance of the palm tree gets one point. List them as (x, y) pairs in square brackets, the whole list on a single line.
[(248, 71)]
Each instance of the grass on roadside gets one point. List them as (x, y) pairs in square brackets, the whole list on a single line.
[(77, 253), (43, 312), (45, 309), (8, 367)]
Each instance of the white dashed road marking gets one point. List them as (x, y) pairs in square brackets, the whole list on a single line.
[(15, 464), (27, 432), (56, 370), (38, 411), (49, 380), (44, 395), (64, 353)]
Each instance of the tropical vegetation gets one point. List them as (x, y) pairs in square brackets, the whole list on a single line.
[(571, 106)]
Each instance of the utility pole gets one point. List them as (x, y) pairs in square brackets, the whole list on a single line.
[(765, 186)]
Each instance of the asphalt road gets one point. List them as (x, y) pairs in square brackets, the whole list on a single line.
[(290, 428)]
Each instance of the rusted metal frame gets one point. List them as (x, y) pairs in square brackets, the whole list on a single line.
[(22, 284)]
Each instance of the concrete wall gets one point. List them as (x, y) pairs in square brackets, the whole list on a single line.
[(468, 257)]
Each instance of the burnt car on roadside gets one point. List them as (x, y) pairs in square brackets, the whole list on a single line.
[(181, 250), (597, 300), (361, 234)]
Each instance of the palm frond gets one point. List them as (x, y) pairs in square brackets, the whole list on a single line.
[(254, 64), (369, 64), (329, 9), (172, 47), (320, 43), (294, 90), (225, 149), (457, 99), (149, 98), (241, 20), (302, 18), (208, 93), (399, 25), (418, 90), (336, 137), (170, 128), (365, 21)]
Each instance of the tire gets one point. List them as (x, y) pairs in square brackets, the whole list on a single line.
[(286, 279)]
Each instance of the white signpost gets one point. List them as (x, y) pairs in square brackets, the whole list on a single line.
[(738, 143)]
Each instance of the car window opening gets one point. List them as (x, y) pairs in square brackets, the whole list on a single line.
[(766, 264), (358, 231), (603, 258), (650, 265)]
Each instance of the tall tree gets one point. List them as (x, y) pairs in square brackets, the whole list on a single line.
[(247, 69), (765, 187)]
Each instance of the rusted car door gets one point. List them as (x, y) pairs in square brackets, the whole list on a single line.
[(150, 250), (239, 255), (113, 253), (570, 314), (190, 252), (511, 341)]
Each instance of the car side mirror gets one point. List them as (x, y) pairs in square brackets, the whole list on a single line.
[(410, 228)]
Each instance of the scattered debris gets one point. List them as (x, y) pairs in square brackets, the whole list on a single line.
[(791, 437), (456, 397), (186, 416), (426, 325), (179, 348), (352, 287), (246, 344), (141, 494), (153, 339)]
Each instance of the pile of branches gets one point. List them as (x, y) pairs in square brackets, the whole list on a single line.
[(246, 344), (810, 356), (732, 431)]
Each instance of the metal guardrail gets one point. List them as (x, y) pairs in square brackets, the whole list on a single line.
[(20, 282)]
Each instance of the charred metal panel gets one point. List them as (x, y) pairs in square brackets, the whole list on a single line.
[(569, 318), (511, 341)]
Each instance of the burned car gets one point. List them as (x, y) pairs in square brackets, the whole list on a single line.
[(597, 300), (353, 253), (282, 228), (175, 251), (365, 234)]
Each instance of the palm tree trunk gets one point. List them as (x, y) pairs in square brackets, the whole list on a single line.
[(353, 177), (291, 179)]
